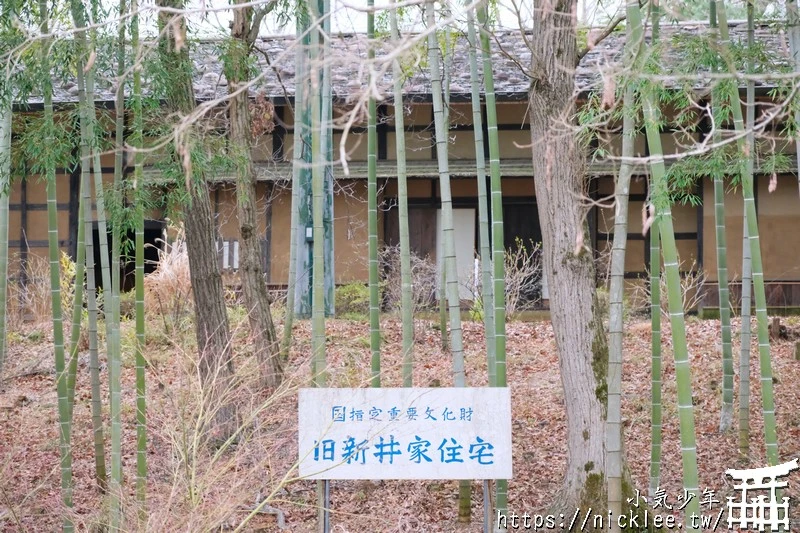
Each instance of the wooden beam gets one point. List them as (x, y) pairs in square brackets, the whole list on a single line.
[(74, 200), (279, 134), (266, 249), (23, 232)]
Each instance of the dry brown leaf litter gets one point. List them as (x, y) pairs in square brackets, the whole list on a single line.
[(219, 492)]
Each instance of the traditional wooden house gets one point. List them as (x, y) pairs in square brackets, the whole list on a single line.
[(778, 211)]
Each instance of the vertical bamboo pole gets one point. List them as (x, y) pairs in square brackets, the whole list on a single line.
[(113, 318), (406, 302), (483, 202), (498, 237), (64, 412), (448, 231), (660, 198), (141, 396), (655, 343), (765, 363), (614, 458), (726, 412), (747, 276), (86, 133), (372, 216)]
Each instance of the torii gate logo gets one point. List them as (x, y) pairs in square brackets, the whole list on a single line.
[(760, 512)]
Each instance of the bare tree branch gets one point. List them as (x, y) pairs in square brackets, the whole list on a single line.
[(602, 35)]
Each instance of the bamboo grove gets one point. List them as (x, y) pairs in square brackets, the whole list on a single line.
[(167, 146)]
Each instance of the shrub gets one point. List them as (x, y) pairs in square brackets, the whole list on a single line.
[(127, 304), (424, 282), (523, 269), (523, 281), (424, 278), (692, 290), (352, 299)]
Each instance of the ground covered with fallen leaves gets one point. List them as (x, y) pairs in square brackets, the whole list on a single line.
[(194, 488)]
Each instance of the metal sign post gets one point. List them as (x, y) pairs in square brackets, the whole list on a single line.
[(326, 510)]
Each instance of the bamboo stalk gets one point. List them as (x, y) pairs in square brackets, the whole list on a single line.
[(406, 302), (483, 202), (683, 376), (498, 238), (141, 363), (318, 272), (319, 376), (141, 397), (297, 162), (747, 277), (372, 216), (449, 259), (765, 363), (79, 18), (726, 412), (655, 318), (655, 343), (5, 176), (99, 193), (448, 262), (115, 351), (614, 458), (64, 411)]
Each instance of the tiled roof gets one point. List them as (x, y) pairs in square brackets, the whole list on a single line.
[(349, 76)]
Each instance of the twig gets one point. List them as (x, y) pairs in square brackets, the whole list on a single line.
[(268, 509), (605, 33)]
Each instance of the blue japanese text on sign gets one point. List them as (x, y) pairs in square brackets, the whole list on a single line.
[(405, 433)]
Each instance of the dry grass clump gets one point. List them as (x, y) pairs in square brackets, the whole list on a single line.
[(693, 280), (29, 297), (168, 290)]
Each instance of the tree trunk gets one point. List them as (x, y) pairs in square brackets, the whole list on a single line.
[(254, 287), (211, 319), (559, 171)]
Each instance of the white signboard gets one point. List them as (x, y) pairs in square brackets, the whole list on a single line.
[(405, 433)]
